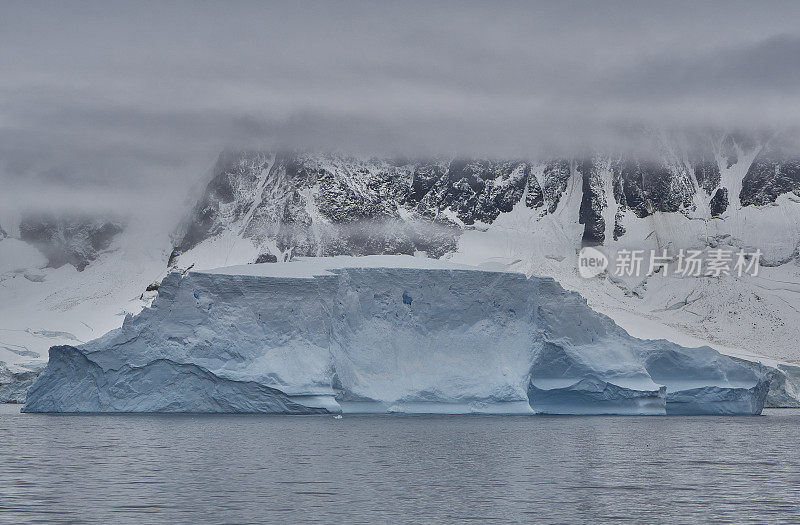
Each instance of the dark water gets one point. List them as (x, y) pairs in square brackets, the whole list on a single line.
[(389, 469)]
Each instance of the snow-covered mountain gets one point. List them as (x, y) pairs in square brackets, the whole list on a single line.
[(532, 215), (328, 204)]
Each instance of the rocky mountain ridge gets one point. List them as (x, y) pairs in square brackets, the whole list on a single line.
[(333, 204)]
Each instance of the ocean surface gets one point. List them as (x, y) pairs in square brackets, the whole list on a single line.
[(397, 469)]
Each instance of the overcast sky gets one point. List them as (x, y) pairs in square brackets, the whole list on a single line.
[(126, 105)]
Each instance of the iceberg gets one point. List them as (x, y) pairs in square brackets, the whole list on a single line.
[(384, 334), (15, 380)]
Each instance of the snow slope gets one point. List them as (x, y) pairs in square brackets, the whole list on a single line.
[(44, 306)]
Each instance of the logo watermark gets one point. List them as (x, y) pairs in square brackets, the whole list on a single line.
[(591, 262), (686, 263)]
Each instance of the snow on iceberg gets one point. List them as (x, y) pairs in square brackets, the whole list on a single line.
[(383, 334)]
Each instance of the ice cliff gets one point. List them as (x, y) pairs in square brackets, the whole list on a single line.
[(383, 334)]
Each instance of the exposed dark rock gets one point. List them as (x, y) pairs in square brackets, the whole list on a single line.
[(330, 204), (775, 171), (425, 176), (476, 190), (236, 175), (706, 169), (556, 177), (535, 195), (647, 187), (632, 183), (68, 239), (592, 204), (619, 229), (266, 258), (719, 202), (359, 200), (374, 206)]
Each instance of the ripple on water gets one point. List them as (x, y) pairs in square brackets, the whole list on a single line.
[(214, 469)]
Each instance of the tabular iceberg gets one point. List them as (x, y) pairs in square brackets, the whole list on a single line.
[(383, 334)]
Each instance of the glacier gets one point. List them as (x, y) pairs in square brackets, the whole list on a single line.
[(384, 334)]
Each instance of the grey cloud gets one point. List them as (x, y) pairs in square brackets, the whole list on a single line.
[(748, 73), (133, 101)]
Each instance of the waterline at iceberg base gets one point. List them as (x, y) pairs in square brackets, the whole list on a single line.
[(383, 334)]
